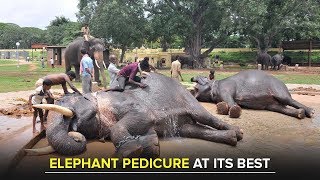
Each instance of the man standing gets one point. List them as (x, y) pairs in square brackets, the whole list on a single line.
[(36, 98), (112, 69), (87, 72), (42, 62), (52, 62), (58, 79), (176, 69)]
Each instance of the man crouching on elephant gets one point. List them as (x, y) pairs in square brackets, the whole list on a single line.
[(128, 74)]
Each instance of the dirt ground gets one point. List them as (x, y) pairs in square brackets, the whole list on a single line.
[(286, 140), (289, 142)]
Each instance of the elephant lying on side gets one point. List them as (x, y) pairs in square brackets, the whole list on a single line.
[(253, 89), (134, 119)]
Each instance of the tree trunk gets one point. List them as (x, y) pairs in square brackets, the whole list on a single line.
[(194, 49), (164, 45), (123, 51)]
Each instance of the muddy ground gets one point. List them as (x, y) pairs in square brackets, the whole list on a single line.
[(292, 144)]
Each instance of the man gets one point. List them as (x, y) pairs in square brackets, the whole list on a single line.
[(61, 79), (52, 62), (85, 32), (176, 69), (42, 62), (112, 69), (58, 79), (87, 71), (36, 98), (128, 75)]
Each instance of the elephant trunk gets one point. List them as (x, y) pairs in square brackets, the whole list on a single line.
[(63, 141)]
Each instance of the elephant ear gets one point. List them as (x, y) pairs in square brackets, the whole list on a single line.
[(200, 80)]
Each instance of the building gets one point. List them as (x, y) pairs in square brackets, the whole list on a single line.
[(57, 53)]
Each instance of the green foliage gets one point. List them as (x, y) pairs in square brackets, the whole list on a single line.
[(62, 31), (249, 57), (264, 21)]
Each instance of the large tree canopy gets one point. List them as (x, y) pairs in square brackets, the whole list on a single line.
[(120, 22), (62, 31), (266, 21)]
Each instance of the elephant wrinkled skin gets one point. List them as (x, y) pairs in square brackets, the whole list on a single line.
[(134, 119), (253, 89)]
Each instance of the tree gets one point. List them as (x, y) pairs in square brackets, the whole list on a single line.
[(9, 35), (266, 21), (206, 23), (30, 35), (61, 31), (165, 27), (120, 22)]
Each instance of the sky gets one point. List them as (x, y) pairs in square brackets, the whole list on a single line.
[(36, 13)]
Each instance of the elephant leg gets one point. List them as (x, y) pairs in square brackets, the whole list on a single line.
[(212, 121), (209, 134), (104, 78), (298, 113), (68, 67), (309, 112), (134, 136), (77, 69)]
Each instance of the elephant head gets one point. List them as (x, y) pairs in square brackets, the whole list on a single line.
[(205, 90), (72, 120)]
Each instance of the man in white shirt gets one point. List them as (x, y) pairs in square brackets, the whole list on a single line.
[(112, 68), (52, 62), (41, 92)]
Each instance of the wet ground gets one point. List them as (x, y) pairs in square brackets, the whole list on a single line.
[(292, 144)]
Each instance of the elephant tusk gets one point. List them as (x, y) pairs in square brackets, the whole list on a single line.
[(62, 110), (78, 137), (97, 63), (40, 151)]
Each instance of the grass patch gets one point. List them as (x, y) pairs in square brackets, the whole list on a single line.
[(24, 78)]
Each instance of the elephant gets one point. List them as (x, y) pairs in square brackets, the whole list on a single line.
[(185, 60), (264, 59), (276, 61), (95, 48), (287, 60), (253, 89), (133, 120)]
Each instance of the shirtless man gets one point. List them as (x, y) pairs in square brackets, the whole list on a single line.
[(57, 79), (62, 79)]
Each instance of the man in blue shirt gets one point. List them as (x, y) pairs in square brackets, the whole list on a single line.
[(87, 71)]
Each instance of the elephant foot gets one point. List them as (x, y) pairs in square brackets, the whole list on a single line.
[(130, 149), (309, 112), (239, 132), (235, 111), (301, 113), (150, 144), (230, 137), (222, 108), (141, 146)]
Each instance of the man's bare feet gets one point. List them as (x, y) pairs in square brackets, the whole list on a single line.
[(35, 131), (42, 128)]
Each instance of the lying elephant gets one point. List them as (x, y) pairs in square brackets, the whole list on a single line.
[(252, 89), (133, 119)]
